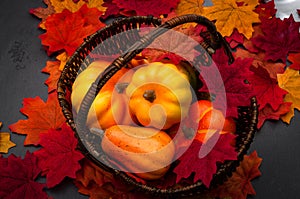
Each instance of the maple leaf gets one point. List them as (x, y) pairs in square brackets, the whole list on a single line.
[(205, 167), (97, 183), (280, 37), (239, 185), (41, 117), (190, 7), (63, 58), (5, 142), (272, 67), (111, 9), (58, 156), (90, 172), (66, 30), (72, 6), (228, 83), (229, 15), (290, 82), (267, 113), (147, 7), (266, 9), (295, 59), (17, 178), (248, 42), (52, 68), (235, 39), (266, 88), (176, 45), (41, 12)]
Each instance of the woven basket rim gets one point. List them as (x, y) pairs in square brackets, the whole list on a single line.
[(82, 52)]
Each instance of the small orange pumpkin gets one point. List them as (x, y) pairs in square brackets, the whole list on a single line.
[(110, 105), (207, 120), (159, 94)]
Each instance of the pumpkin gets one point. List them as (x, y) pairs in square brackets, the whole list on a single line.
[(159, 95), (110, 105), (206, 120), (188, 72), (145, 152)]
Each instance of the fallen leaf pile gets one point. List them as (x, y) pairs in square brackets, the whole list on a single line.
[(267, 64)]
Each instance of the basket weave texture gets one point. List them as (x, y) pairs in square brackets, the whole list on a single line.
[(126, 49)]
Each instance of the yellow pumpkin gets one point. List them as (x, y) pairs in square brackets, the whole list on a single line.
[(159, 95), (146, 152), (109, 106)]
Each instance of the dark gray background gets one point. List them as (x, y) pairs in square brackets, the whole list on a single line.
[(22, 58)]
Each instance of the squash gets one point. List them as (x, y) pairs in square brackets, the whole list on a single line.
[(188, 72), (145, 152), (159, 95), (110, 105), (206, 120)]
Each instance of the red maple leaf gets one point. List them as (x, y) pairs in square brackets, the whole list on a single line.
[(228, 83), (52, 68), (58, 156), (205, 167), (272, 67), (266, 88), (17, 178), (239, 185), (112, 9), (41, 117), (66, 30), (267, 113), (147, 7), (295, 59), (280, 37), (235, 39), (248, 44), (266, 9)]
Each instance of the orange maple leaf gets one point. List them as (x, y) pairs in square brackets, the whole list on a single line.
[(72, 6), (90, 172), (52, 68), (63, 58), (290, 81), (231, 14), (41, 12), (238, 186), (5, 142), (66, 30), (190, 7), (41, 117)]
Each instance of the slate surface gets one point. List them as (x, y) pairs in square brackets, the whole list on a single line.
[(22, 58)]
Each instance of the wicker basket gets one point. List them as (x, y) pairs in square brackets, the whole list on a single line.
[(126, 50)]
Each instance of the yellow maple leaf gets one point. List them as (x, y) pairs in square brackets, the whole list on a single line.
[(190, 7), (5, 142), (232, 14), (60, 5), (290, 81)]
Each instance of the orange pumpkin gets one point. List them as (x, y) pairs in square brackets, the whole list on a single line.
[(159, 94), (146, 152), (206, 120), (110, 105)]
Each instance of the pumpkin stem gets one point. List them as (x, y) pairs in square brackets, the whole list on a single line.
[(120, 87), (149, 95)]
